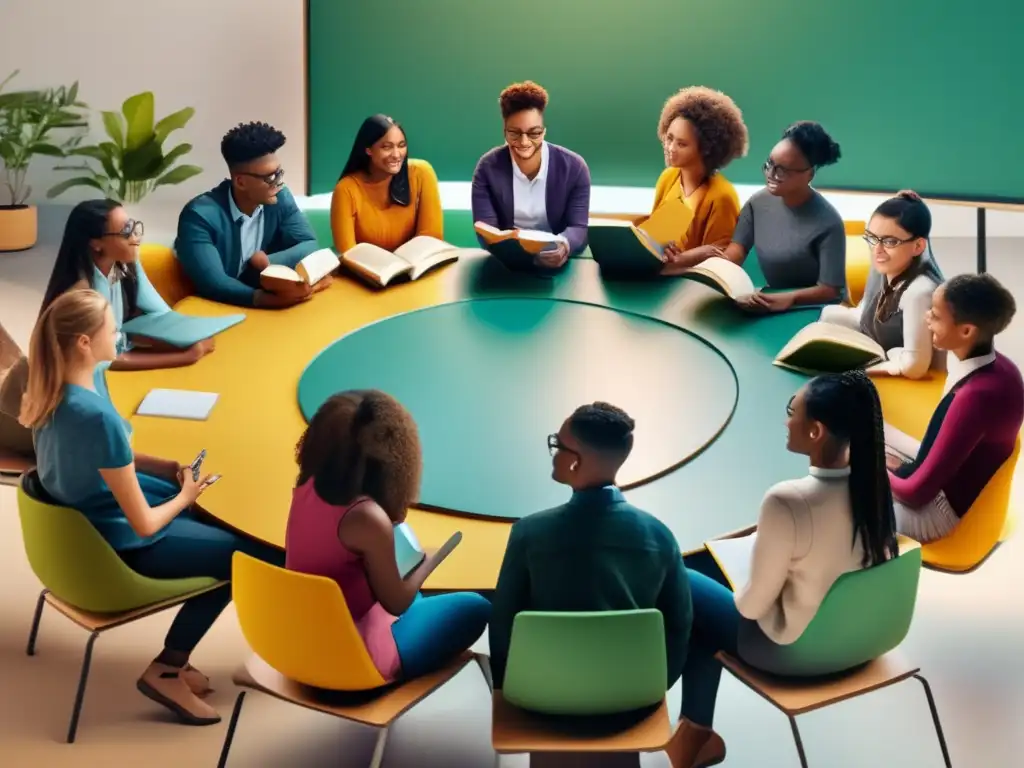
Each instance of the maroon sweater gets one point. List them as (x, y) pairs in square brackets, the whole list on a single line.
[(971, 434)]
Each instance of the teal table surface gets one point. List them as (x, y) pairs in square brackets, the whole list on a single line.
[(718, 489)]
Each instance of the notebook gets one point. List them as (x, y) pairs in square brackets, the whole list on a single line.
[(734, 558), (177, 329), (177, 404)]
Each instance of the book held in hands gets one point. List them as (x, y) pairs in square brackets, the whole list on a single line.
[(311, 270), (517, 249), (725, 276), (380, 267), (827, 348)]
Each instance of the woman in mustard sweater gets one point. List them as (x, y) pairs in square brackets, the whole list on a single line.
[(383, 197), (701, 131)]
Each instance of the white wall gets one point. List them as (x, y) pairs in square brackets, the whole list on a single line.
[(235, 61), (232, 60)]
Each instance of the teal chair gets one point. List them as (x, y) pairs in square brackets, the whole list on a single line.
[(849, 648), (84, 579), (583, 665)]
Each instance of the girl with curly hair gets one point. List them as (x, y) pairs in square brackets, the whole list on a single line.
[(359, 471), (701, 131)]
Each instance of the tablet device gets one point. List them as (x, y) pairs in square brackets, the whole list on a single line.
[(408, 551)]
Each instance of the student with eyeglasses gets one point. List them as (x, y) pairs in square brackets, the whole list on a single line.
[(800, 239), (229, 235), (530, 183), (899, 290), (596, 552), (100, 250), (383, 196)]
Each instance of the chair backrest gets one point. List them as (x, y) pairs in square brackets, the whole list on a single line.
[(68, 555), (592, 663), (865, 614), (165, 273), (301, 626), (981, 527)]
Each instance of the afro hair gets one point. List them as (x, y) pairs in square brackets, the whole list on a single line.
[(721, 132), (519, 97), (248, 141)]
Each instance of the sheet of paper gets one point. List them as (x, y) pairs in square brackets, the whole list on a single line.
[(408, 552), (733, 557), (178, 404)]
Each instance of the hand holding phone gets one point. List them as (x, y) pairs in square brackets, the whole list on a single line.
[(197, 465)]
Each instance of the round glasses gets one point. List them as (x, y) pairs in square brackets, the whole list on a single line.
[(132, 228)]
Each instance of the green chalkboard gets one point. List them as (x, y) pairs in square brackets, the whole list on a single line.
[(919, 94)]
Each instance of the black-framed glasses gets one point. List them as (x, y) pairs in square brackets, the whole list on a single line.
[(773, 170), (789, 406), (132, 228), (886, 242), (555, 445), (515, 135), (270, 179)]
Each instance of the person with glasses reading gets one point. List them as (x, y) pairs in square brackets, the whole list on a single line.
[(799, 237), (100, 250), (229, 235), (596, 552), (976, 425), (899, 290), (810, 531), (383, 197), (530, 183)]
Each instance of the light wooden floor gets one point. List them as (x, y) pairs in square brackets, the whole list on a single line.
[(966, 637)]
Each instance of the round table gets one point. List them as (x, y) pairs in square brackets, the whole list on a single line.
[(256, 368)]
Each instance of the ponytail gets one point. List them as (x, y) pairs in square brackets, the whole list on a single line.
[(849, 407), (70, 316)]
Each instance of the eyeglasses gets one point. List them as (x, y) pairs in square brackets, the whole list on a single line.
[(270, 179), (780, 172), (789, 406), (515, 135), (132, 228), (555, 445), (887, 242)]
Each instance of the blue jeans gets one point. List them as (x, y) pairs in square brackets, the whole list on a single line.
[(434, 630), (192, 548), (716, 624)]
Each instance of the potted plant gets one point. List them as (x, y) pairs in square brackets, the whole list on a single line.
[(132, 163), (46, 122)]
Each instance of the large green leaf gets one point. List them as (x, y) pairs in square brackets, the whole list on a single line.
[(77, 181), (178, 175), (113, 123), (173, 122), (97, 153), (138, 112), (172, 157), (141, 164), (41, 148)]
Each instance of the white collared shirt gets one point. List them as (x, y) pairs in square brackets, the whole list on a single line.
[(251, 231), (957, 369), (529, 196)]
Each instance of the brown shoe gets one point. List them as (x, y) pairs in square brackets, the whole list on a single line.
[(694, 746), (166, 686), (196, 681)]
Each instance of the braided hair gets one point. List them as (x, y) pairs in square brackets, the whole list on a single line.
[(847, 404)]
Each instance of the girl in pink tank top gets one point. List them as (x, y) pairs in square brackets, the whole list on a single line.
[(359, 471)]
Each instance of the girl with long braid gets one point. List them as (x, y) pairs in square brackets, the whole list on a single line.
[(810, 531)]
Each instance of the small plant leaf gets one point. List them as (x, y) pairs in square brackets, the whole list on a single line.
[(113, 124), (173, 122), (172, 157), (96, 153), (41, 148), (77, 181), (178, 175), (138, 112)]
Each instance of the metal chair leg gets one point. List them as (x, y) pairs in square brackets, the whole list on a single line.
[(31, 649), (935, 720), (230, 735), (799, 742), (80, 695), (378, 749)]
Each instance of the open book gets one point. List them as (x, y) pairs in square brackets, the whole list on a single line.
[(517, 248), (669, 222), (828, 348), (622, 248), (726, 277), (734, 557), (416, 257), (177, 329), (311, 270)]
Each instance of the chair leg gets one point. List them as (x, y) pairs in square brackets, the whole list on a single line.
[(230, 735), (378, 749), (935, 720), (799, 742), (484, 662), (31, 650), (80, 695)]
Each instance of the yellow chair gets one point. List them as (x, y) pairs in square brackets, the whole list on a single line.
[(308, 652), (165, 272), (987, 523), (858, 261)]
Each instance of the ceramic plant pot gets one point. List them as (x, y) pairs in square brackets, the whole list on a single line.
[(19, 227)]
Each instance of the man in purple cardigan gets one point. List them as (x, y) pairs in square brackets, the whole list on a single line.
[(529, 183)]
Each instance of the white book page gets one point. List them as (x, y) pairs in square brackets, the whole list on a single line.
[(484, 228), (318, 265), (734, 557), (422, 248), (281, 272), (736, 280)]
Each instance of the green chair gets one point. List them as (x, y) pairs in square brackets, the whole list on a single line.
[(583, 665), (84, 579), (848, 649)]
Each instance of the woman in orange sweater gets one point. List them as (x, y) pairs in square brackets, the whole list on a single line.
[(383, 197), (701, 131)]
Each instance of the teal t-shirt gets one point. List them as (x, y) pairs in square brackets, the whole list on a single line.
[(84, 435)]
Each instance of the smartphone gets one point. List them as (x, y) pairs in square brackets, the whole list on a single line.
[(197, 465), (210, 481)]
